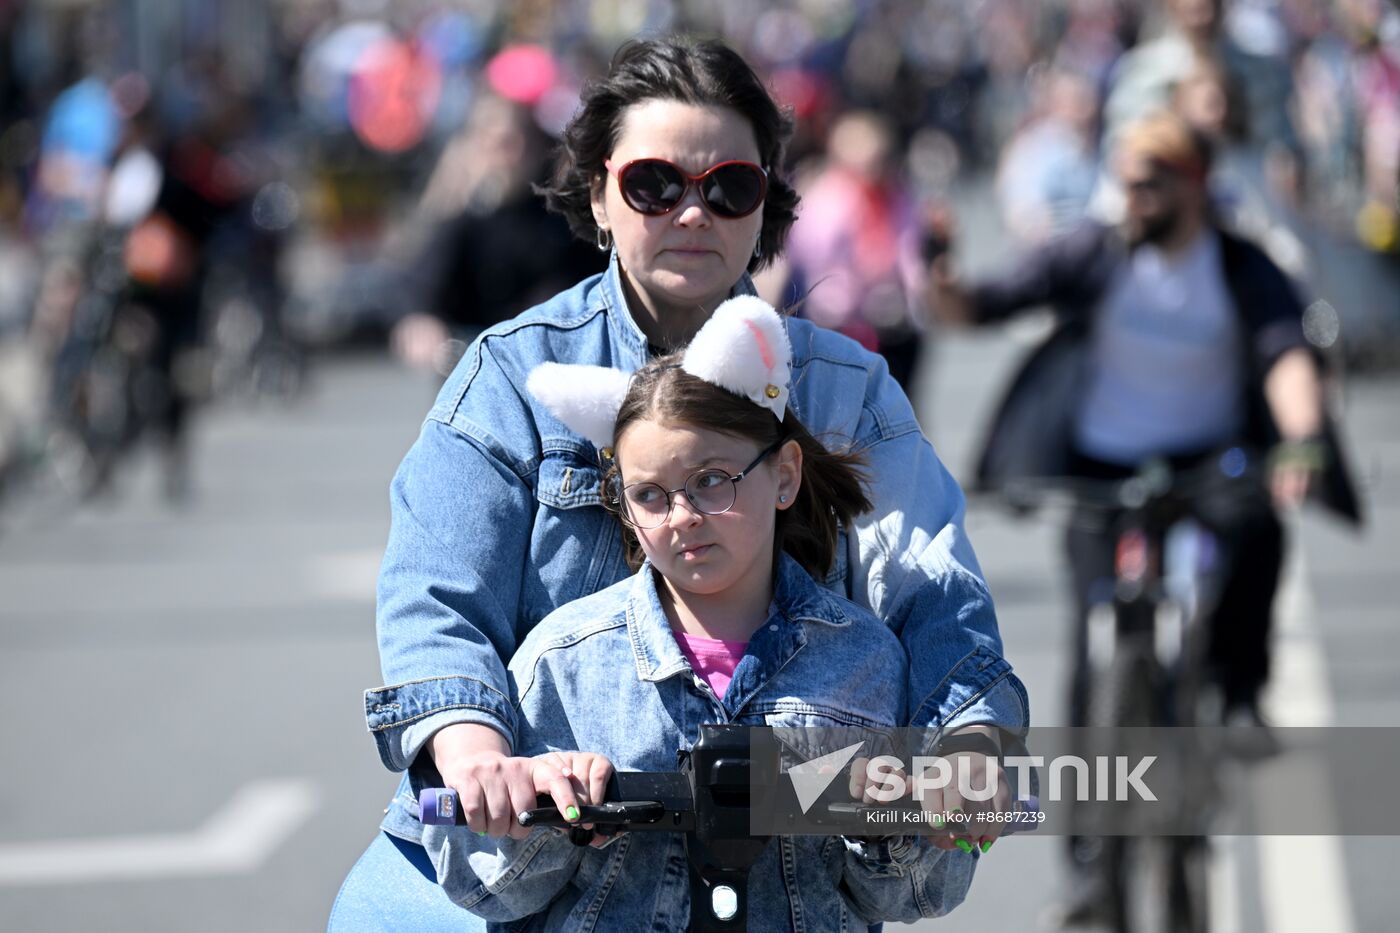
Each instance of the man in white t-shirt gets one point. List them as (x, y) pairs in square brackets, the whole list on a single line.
[(1176, 340)]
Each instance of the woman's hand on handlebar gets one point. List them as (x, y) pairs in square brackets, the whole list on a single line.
[(971, 822), (492, 786), (968, 822)]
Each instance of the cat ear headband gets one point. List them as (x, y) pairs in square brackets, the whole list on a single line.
[(743, 348)]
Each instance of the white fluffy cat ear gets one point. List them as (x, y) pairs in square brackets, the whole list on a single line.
[(744, 348), (585, 398)]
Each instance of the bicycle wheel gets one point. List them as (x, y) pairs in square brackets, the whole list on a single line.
[(1138, 868), (1190, 898), (1158, 884), (1142, 889), (1128, 692)]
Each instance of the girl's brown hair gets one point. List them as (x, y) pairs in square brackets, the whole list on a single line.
[(834, 488)]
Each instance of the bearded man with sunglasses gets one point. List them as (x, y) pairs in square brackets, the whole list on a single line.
[(1174, 339), (673, 166)]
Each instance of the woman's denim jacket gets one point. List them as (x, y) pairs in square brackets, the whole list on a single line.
[(497, 520), (605, 673)]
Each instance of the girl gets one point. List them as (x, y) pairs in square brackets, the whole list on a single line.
[(730, 509)]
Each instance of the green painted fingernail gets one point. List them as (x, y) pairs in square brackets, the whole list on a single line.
[(481, 832), (987, 845), (571, 814), (936, 820), (964, 845)]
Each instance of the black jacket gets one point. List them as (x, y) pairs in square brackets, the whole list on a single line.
[(1031, 433)]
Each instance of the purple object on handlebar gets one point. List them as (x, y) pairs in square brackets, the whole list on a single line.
[(438, 806)]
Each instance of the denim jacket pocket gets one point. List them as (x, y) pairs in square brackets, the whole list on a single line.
[(575, 546), (568, 480)]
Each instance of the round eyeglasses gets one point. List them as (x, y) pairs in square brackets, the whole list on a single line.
[(711, 492)]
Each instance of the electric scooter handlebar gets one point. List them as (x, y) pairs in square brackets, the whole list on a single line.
[(627, 810), (708, 800)]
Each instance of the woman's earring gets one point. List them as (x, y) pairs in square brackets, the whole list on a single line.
[(782, 498), (758, 249), (604, 240)]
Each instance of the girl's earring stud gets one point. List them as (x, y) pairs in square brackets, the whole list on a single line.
[(782, 498)]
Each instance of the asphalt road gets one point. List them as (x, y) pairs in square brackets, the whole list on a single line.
[(160, 661), (185, 750)]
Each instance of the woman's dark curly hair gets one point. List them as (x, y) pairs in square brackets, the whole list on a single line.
[(704, 73)]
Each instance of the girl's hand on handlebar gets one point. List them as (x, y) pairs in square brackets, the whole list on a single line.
[(572, 778), (866, 790)]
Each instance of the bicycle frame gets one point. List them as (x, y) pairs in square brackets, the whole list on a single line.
[(1166, 583)]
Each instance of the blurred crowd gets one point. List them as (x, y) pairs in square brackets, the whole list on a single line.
[(191, 193)]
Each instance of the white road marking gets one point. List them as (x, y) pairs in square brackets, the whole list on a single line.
[(235, 840), (1300, 695), (1224, 881)]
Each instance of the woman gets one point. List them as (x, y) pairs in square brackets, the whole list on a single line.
[(497, 515)]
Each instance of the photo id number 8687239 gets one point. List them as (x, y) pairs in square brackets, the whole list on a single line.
[(1010, 816)]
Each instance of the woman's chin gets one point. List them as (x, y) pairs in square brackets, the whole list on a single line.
[(691, 287)]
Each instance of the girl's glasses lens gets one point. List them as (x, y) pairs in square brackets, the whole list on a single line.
[(647, 505), (711, 491)]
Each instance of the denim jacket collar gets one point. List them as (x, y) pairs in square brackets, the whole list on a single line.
[(797, 601), (625, 329)]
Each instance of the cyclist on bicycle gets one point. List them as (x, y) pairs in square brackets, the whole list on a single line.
[(1175, 338)]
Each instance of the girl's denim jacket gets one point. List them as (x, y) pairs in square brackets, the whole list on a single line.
[(497, 520), (605, 674)]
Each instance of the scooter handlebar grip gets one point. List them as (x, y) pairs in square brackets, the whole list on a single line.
[(439, 806)]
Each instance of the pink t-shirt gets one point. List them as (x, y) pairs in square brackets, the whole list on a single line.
[(712, 658)]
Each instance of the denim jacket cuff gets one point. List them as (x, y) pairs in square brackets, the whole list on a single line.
[(980, 690), (404, 716)]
